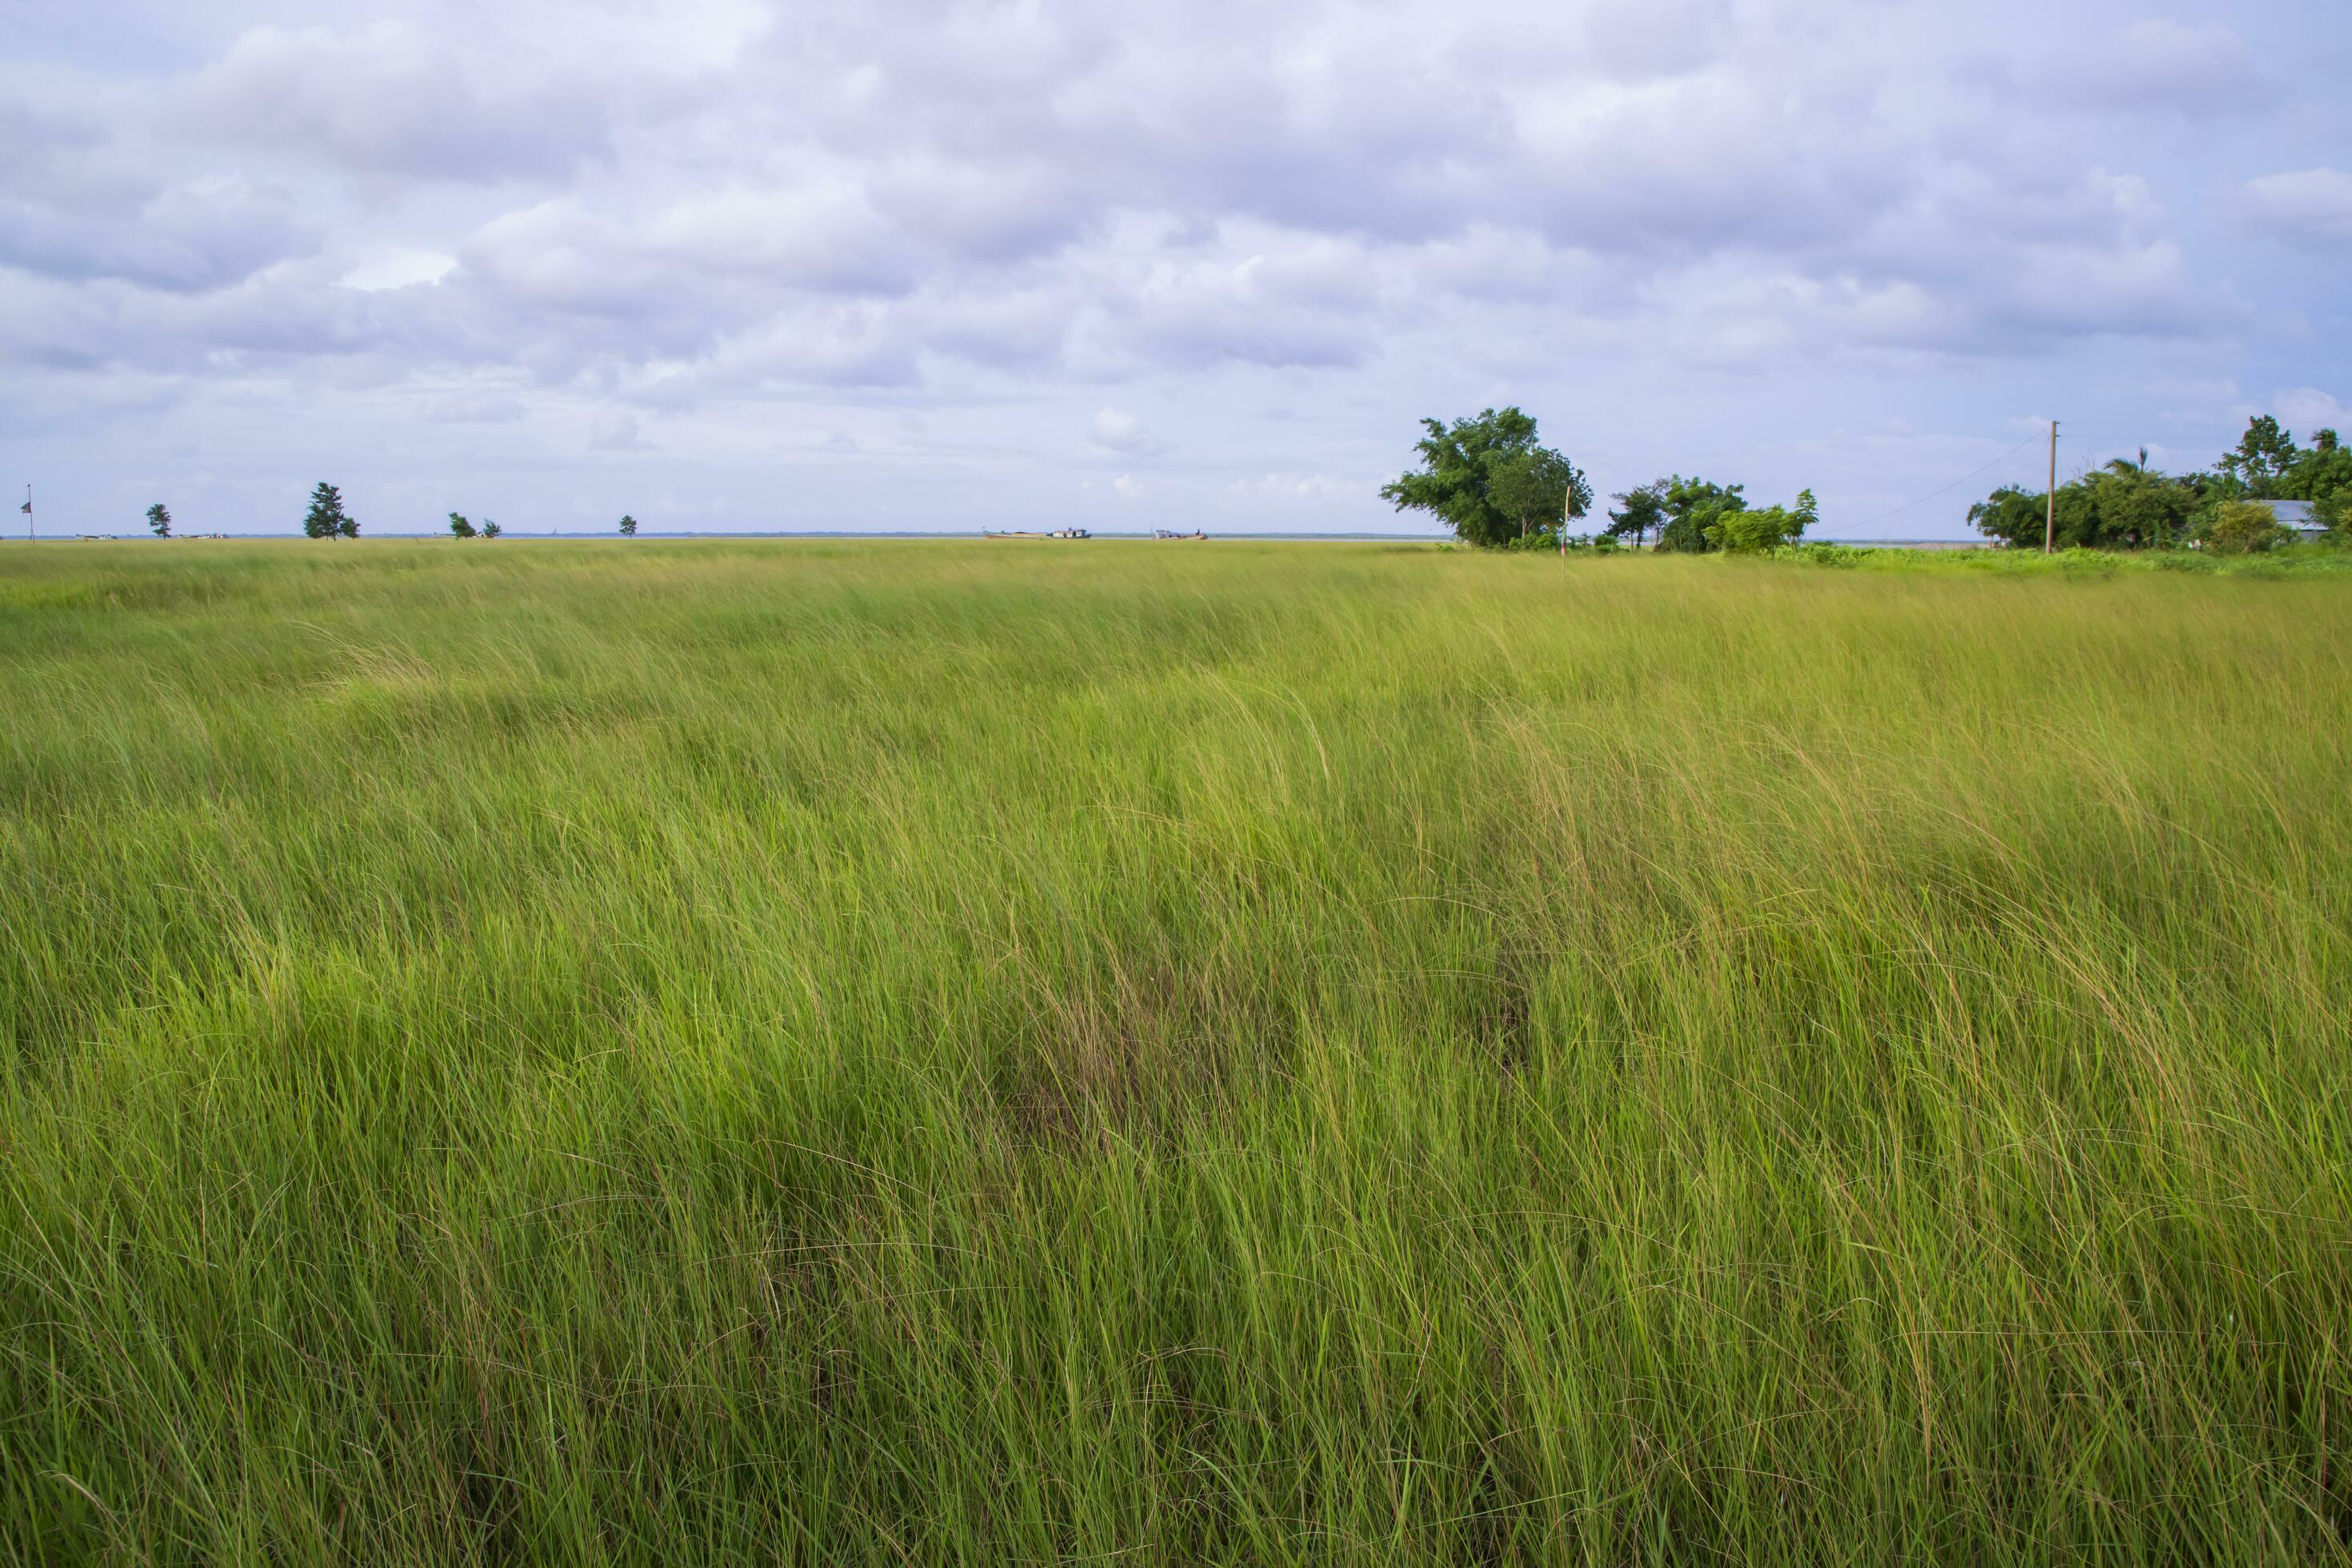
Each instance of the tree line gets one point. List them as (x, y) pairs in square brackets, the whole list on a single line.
[(1491, 480), (2129, 505), (329, 519)]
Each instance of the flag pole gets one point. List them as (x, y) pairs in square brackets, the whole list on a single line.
[(29, 513)]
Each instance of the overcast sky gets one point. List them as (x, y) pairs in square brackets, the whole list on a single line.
[(907, 264)]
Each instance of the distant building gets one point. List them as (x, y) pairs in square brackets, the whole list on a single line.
[(2296, 515)]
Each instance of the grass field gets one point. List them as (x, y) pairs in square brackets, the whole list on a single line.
[(684, 1053)]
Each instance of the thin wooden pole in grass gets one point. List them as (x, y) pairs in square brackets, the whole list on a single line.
[(2049, 517)]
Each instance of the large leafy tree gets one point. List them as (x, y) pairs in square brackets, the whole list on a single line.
[(1490, 479), (1693, 507), (2263, 457), (460, 525), (327, 519), (628, 526), (1539, 490), (159, 518)]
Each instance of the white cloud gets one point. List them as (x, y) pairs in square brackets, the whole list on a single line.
[(1117, 431), (2312, 205), (399, 267), (2307, 409)]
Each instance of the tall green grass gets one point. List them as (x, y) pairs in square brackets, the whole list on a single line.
[(939, 1053)]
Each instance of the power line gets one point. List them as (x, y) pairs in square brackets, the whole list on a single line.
[(1956, 484)]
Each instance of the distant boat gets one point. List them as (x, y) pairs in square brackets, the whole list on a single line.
[(1171, 533), (1032, 533)]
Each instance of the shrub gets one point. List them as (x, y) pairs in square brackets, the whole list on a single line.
[(1826, 554), (2244, 528)]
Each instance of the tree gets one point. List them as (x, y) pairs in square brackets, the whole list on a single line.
[(159, 518), (2011, 515), (2261, 457), (1693, 507), (1759, 531), (2244, 528), (2323, 469), (2334, 513), (1538, 489), (1489, 480), (1644, 513), (2124, 506), (2134, 507), (327, 519), (490, 530), (628, 526), (460, 526)]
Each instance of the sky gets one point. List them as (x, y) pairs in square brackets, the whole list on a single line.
[(918, 265)]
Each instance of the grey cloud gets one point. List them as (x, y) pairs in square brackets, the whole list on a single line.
[(207, 234), (2155, 63), (2147, 66), (389, 101), (474, 407), (823, 235), (1194, 208), (614, 430), (1020, 327), (1310, 178), (984, 213), (1632, 39)]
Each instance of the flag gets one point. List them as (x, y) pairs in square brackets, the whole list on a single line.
[(27, 509)]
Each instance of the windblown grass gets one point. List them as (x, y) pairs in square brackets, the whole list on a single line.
[(936, 1053)]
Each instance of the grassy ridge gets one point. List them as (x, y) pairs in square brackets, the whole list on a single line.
[(681, 1053)]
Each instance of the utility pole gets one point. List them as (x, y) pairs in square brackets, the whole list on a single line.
[(2050, 519)]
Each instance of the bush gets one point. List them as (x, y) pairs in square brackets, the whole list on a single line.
[(2244, 528), (1826, 554)]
